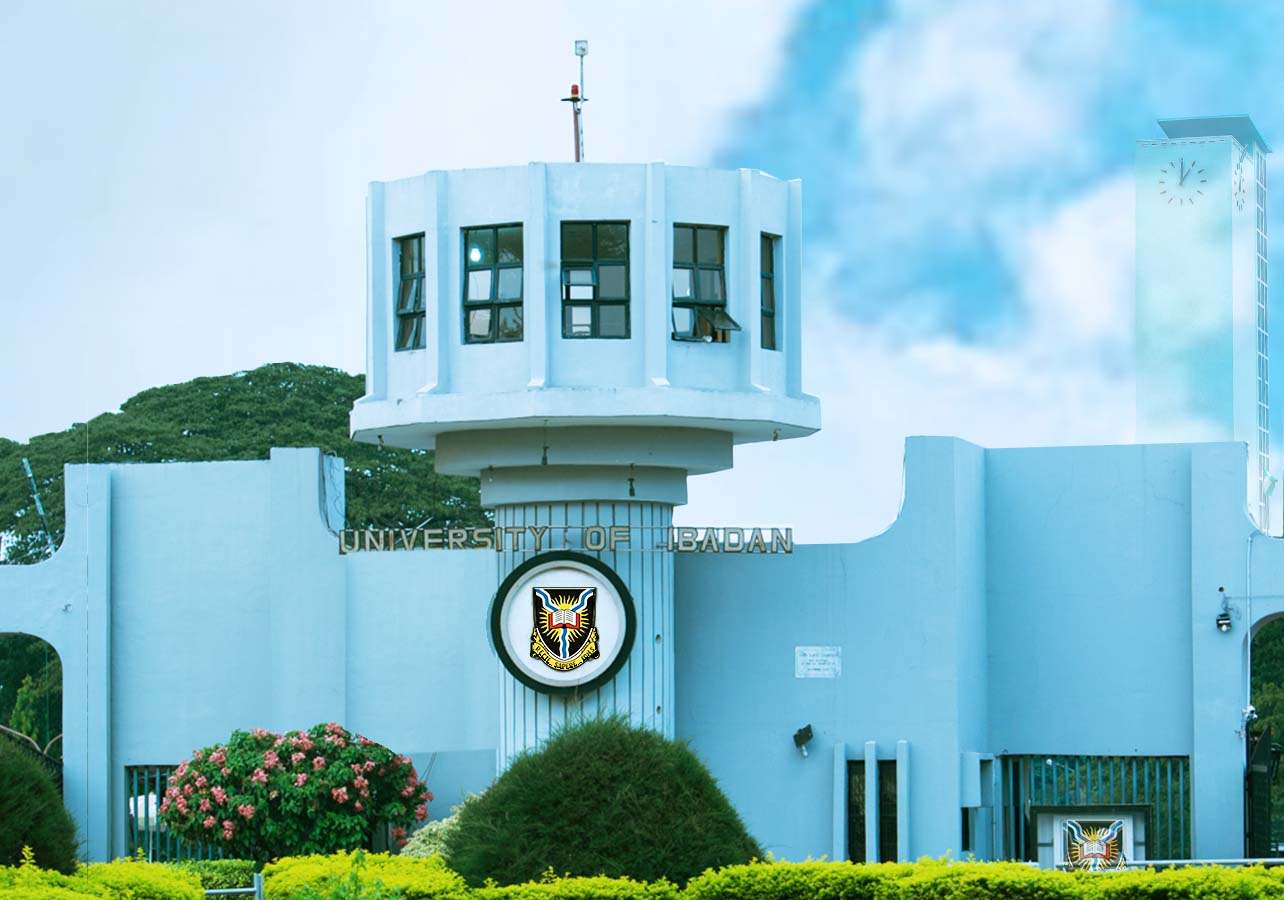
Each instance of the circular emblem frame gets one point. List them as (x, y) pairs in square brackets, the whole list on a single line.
[(603, 571)]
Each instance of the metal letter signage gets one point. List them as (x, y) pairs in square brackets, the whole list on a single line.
[(562, 622)]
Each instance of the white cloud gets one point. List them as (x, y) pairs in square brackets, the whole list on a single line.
[(957, 98)]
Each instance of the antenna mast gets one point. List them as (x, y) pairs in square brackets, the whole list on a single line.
[(40, 507), (576, 99)]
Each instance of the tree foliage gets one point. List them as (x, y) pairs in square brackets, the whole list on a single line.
[(238, 416), (31, 689)]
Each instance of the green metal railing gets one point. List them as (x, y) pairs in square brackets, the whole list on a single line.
[(144, 790), (1161, 784)]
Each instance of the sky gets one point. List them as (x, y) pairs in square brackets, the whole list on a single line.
[(184, 184)]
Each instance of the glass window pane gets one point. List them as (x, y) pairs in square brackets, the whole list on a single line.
[(681, 284), (479, 285), (768, 332), (578, 276), (481, 247), (769, 294), (768, 255), (410, 333), (510, 323), (577, 320), (709, 284), (577, 240), (510, 284), (683, 244), (611, 283), (613, 241), (683, 322), (510, 244), (580, 292), (411, 252), (717, 318), (479, 324), (410, 296), (613, 320), (709, 246)]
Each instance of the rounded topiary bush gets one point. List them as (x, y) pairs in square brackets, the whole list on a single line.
[(32, 813), (599, 798)]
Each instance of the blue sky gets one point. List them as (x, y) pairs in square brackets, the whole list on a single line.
[(184, 188)]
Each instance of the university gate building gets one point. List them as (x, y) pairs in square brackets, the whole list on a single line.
[(1047, 648)]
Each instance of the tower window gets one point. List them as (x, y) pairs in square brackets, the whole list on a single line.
[(410, 292), (595, 279), (770, 244), (700, 285), (492, 284)]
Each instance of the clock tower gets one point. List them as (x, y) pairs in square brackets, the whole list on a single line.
[(1202, 366)]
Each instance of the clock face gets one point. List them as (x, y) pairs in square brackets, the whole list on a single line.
[(1182, 181), (1244, 178)]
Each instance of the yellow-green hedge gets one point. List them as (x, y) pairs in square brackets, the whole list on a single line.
[(600, 888), (120, 880), (417, 879)]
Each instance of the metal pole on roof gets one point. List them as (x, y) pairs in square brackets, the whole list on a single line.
[(576, 99)]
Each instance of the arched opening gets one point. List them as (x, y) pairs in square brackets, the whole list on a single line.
[(31, 698), (1267, 694)]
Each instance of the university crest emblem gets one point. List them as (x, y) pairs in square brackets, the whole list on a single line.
[(565, 633), (1094, 845)]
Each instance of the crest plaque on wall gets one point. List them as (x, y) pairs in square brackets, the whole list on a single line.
[(562, 622)]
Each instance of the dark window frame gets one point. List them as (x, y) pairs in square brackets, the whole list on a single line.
[(710, 322), (415, 314), (769, 248), (593, 264), (492, 302)]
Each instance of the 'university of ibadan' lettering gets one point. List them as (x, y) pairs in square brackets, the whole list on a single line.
[(536, 538)]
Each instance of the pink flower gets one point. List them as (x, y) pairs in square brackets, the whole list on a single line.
[(356, 767), (165, 805), (270, 760), (226, 771), (429, 796), (246, 810), (369, 766), (219, 756), (181, 803), (220, 795), (205, 804), (421, 811), (398, 833), (187, 790), (259, 732), (407, 790), (295, 757), (318, 762), (201, 781), (209, 822), (301, 779), (340, 794), (198, 755), (357, 806), (280, 739), (360, 782), (364, 741), (259, 777)]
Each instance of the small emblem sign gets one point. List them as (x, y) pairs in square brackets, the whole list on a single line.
[(562, 622)]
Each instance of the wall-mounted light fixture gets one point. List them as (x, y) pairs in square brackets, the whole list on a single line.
[(802, 737), (1224, 617)]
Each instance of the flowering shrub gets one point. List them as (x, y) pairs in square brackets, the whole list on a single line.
[(264, 795)]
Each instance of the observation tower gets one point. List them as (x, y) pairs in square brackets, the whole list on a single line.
[(583, 337)]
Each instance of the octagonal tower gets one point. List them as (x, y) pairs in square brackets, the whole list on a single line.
[(583, 337)]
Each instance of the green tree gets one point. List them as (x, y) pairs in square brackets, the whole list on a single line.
[(1268, 698)]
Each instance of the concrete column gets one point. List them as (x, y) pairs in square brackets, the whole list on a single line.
[(643, 689), (871, 801)]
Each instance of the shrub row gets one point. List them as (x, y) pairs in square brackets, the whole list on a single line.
[(429, 879), (120, 880)]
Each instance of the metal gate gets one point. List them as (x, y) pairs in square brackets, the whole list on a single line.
[(144, 790), (1160, 784)]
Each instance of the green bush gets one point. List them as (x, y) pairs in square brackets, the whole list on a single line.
[(600, 798), (597, 888), (416, 879), (120, 880), (32, 813), (219, 874), (789, 881)]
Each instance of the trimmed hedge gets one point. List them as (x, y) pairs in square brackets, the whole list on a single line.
[(599, 888), (32, 813), (120, 880), (216, 874), (417, 879), (599, 797)]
